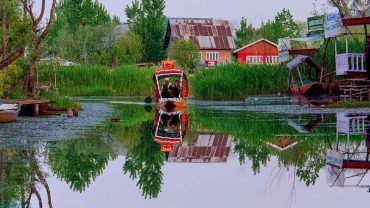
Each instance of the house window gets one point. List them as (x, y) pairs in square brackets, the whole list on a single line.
[(254, 59), (200, 55), (212, 56), (272, 60)]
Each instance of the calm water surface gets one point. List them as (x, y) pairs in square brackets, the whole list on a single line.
[(261, 152)]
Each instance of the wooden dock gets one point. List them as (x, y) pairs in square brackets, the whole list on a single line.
[(355, 89), (31, 107)]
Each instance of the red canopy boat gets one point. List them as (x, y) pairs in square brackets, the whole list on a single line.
[(167, 94)]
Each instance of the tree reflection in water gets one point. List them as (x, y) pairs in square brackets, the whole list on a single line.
[(144, 161), (80, 161), (22, 176)]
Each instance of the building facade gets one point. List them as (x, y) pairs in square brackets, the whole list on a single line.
[(259, 52), (214, 38)]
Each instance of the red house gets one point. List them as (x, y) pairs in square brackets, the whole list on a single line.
[(261, 51)]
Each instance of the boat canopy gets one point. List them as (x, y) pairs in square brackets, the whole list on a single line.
[(304, 59)]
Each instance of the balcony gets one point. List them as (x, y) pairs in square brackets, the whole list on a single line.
[(350, 63)]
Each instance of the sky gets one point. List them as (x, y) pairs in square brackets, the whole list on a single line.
[(233, 10)]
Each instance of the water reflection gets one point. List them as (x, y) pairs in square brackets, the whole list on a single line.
[(147, 143), (22, 177), (348, 162)]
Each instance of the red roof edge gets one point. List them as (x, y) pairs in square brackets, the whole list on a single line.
[(303, 51)]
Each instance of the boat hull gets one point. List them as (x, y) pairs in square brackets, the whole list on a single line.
[(9, 116), (313, 89)]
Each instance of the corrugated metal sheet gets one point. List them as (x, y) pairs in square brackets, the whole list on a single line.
[(206, 33)]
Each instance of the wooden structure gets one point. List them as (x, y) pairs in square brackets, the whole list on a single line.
[(205, 148), (261, 51), (354, 158), (214, 38), (39, 107), (357, 89)]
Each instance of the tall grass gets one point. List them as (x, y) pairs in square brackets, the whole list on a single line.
[(235, 81), (99, 80)]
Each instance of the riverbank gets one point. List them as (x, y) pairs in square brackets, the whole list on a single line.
[(233, 81)]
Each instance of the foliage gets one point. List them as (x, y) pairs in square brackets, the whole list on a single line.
[(87, 42), (79, 161), (185, 52), (148, 23), (236, 81), (282, 26), (82, 32), (61, 101), (144, 161), (245, 34), (128, 49), (8, 79)]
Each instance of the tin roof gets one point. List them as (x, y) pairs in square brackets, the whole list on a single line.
[(255, 42), (205, 33)]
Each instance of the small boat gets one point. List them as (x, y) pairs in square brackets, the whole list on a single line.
[(9, 112), (305, 77), (167, 95)]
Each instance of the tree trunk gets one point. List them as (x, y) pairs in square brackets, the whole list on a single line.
[(30, 82), (4, 27)]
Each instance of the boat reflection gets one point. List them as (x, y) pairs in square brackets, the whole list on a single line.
[(169, 128), (347, 162)]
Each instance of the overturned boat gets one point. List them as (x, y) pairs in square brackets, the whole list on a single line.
[(9, 112), (306, 77), (171, 86)]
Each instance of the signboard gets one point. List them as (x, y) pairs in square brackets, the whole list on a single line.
[(333, 25), (283, 56), (334, 158), (315, 24)]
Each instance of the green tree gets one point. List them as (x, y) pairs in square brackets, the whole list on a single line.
[(144, 161), (128, 49), (148, 23), (15, 32), (245, 34), (186, 53), (282, 26), (80, 161)]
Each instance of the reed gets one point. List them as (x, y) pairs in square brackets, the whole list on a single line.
[(99, 81), (236, 81)]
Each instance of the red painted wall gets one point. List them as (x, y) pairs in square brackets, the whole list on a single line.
[(262, 48)]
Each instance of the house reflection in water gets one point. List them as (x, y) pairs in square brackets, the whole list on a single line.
[(349, 163), (205, 148)]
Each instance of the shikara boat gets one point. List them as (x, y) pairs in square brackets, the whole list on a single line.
[(170, 95), (169, 128), (305, 77), (9, 112)]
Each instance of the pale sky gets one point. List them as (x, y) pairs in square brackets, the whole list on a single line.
[(255, 11)]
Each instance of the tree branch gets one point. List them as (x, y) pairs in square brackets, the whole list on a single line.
[(38, 20), (49, 24), (11, 58)]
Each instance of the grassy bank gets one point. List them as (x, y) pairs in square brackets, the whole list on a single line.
[(349, 104), (99, 80), (236, 81)]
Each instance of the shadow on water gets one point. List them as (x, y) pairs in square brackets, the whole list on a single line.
[(302, 143)]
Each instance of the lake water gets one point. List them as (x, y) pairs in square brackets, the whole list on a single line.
[(262, 152)]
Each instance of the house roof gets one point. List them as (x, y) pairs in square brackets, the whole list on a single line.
[(206, 33), (253, 43)]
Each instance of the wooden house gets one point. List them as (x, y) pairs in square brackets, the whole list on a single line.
[(261, 51)]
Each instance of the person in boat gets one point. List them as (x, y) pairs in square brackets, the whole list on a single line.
[(166, 88), (175, 89), (367, 57)]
